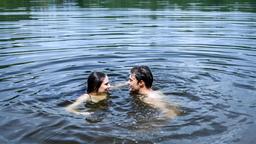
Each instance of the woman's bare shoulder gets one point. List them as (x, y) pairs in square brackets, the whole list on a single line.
[(83, 97)]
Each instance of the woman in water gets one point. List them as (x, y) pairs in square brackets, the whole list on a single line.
[(97, 92)]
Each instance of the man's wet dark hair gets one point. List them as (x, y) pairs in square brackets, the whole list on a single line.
[(143, 73), (94, 81)]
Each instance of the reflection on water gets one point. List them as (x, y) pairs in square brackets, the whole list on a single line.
[(207, 5), (202, 55)]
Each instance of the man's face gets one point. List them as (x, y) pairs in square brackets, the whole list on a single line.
[(133, 84), (104, 87)]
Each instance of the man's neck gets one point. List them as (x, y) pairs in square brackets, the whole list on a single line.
[(145, 91)]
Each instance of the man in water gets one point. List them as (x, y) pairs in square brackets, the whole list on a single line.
[(140, 83)]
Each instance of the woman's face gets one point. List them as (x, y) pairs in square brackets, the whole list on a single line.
[(104, 87)]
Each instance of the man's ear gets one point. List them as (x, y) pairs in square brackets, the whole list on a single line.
[(141, 83)]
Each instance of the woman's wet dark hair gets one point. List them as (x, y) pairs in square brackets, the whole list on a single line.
[(143, 73), (94, 81)]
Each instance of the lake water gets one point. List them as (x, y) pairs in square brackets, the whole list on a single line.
[(202, 55)]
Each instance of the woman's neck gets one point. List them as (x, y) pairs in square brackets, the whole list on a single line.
[(96, 97)]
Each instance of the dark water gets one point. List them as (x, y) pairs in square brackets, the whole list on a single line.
[(202, 55)]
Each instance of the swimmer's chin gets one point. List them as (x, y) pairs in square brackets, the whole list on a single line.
[(134, 93), (105, 93)]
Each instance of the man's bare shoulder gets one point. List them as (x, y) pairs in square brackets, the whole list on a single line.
[(156, 95)]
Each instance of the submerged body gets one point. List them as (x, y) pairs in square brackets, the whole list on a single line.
[(85, 100), (97, 91), (157, 99)]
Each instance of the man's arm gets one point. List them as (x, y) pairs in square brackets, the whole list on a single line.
[(118, 85)]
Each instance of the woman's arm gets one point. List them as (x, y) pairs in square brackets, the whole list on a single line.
[(73, 107)]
